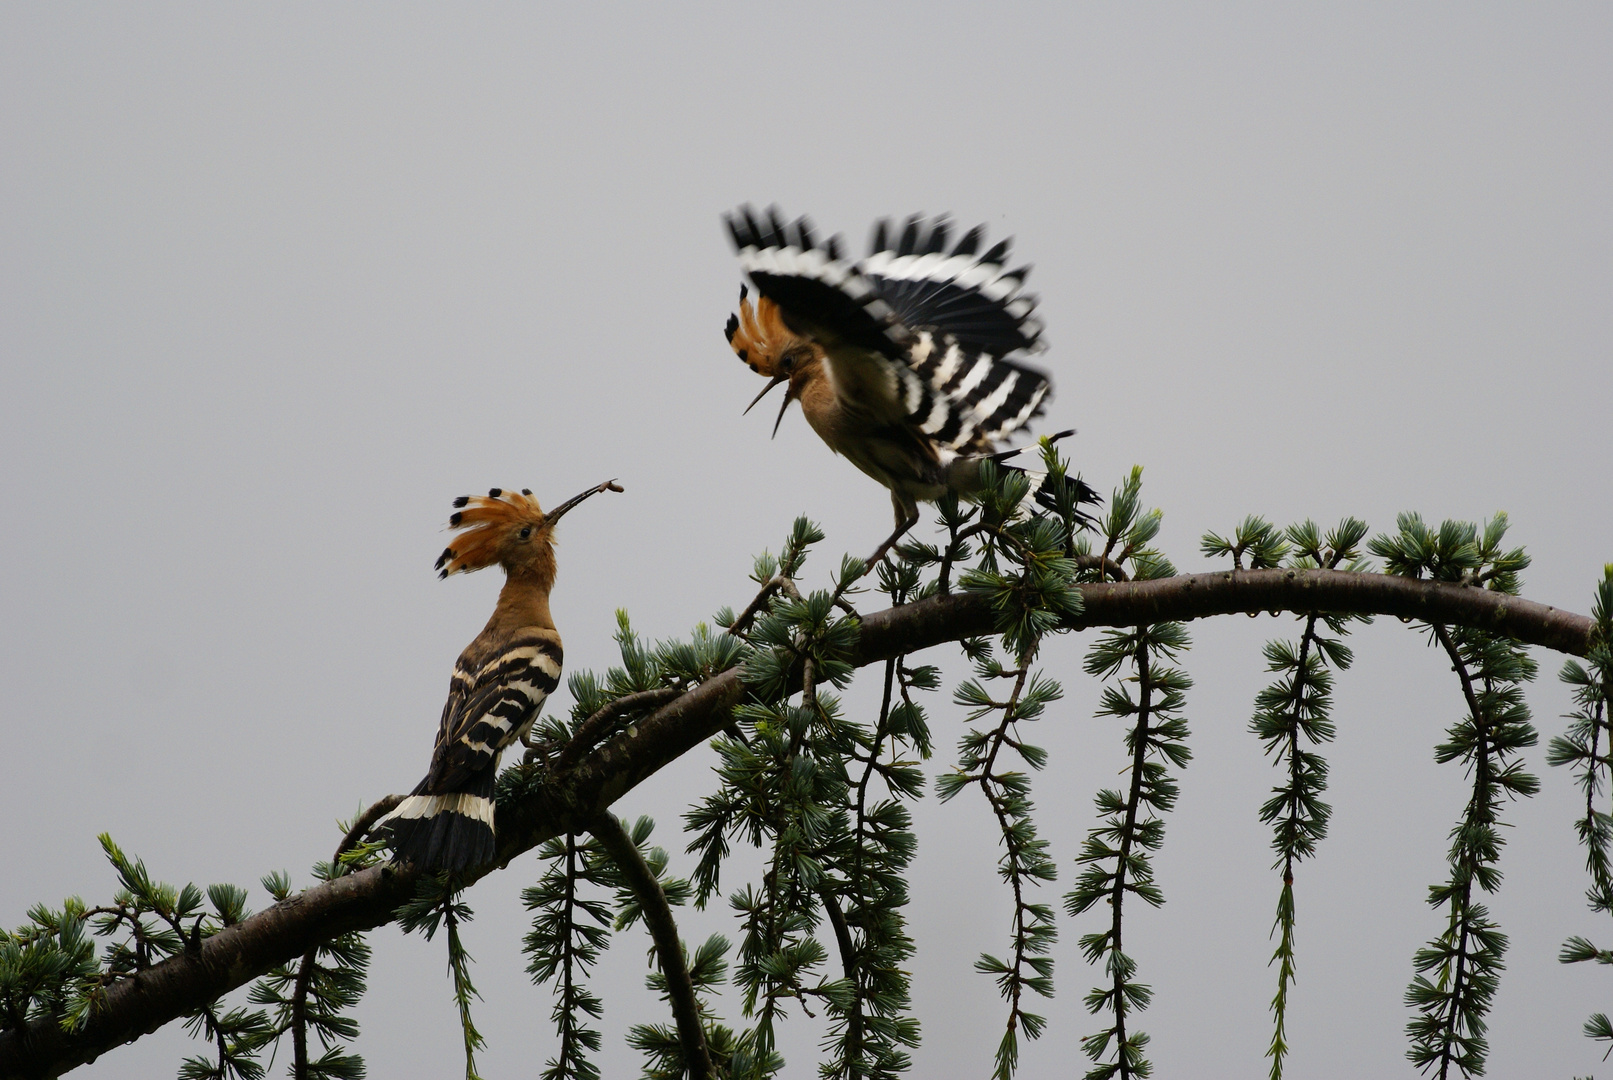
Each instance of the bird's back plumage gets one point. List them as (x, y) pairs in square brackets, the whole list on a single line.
[(495, 693)]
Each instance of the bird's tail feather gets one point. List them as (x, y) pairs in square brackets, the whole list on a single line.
[(1028, 461), (451, 831)]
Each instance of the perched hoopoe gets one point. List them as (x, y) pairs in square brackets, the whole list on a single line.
[(499, 683), (898, 361)]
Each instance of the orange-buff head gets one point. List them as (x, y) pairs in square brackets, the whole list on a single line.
[(508, 528), (761, 338)]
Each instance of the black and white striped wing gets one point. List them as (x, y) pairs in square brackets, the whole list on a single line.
[(446, 823), (954, 390), (821, 293), (490, 708), (971, 296), (968, 311), (976, 399)]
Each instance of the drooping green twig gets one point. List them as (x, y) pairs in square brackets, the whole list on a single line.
[(1458, 972), (437, 905), (1587, 746), (1116, 855), (568, 933), (1027, 568), (1292, 716)]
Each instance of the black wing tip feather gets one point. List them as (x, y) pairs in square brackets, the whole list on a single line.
[(910, 236), (971, 241), (998, 253), (920, 236), (770, 229)]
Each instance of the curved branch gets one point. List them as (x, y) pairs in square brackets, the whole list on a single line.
[(664, 931), (596, 727), (234, 956)]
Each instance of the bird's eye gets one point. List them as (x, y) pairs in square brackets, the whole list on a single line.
[(526, 532)]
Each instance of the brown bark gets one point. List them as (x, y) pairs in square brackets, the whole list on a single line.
[(363, 901)]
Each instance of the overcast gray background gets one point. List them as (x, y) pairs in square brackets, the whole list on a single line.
[(278, 285)]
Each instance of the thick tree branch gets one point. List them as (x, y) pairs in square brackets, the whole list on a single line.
[(233, 957)]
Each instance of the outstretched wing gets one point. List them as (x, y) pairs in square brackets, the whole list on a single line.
[(489, 708), (973, 297), (819, 291), (884, 357)]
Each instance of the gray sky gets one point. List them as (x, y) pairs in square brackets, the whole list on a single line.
[(278, 285)]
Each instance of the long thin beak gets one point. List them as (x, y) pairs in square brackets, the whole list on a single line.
[(554, 515), (788, 397), (767, 390)]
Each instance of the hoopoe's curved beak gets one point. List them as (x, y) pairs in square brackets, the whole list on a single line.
[(554, 515), (768, 389), (781, 378)]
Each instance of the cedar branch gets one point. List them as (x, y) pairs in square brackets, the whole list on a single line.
[(180, 985)]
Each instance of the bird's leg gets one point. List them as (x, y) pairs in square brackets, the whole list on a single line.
[(907, 516), (883, 549)]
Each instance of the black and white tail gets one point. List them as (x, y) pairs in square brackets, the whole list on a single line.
[(1028, 460), (444, 832)]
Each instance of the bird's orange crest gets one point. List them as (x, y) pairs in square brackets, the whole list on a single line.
[(509, 528), (490, 523), (758, 334)]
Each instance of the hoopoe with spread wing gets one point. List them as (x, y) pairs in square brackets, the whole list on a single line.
[(499, 682), (901, 362)]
